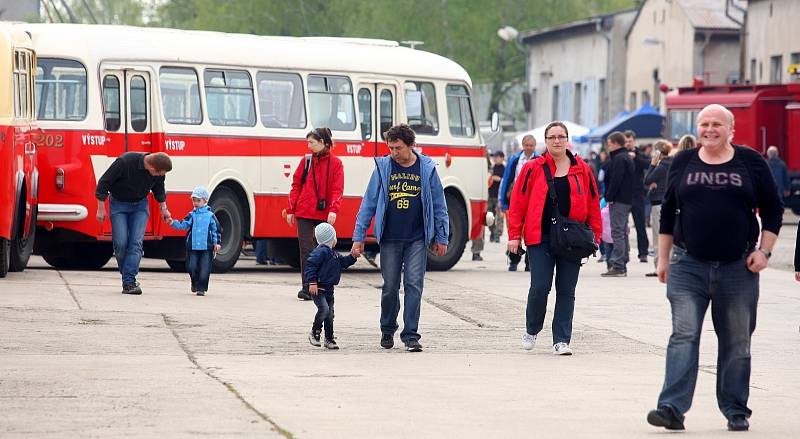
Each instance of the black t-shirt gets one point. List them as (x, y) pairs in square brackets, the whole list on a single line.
[(404, 220), (562, 192), (494, 189), (716, 220)]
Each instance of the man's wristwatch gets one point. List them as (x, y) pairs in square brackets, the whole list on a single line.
[(766, 252)]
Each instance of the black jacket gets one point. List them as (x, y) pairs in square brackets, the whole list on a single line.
[(129, 181), (657, 174), (621, 178)]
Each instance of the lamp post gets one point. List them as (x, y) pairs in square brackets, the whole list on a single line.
[(511, 34)]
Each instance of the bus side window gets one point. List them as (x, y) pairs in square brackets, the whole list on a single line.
[(387, 110), (138, 98), (459, 113), (421, 111), (331, 102), (111, 102), (180, 95), (365, 112), (229, 98), (281, 100)]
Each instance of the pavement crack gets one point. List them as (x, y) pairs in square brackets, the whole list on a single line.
[(457, 314), (69, 288), (170, 324)]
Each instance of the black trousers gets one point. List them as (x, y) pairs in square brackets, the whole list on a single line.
[(307, 242), (637, 210)]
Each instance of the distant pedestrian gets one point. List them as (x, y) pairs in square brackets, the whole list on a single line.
[(496, 177), (202, 241), (656, 181), (638, 201), (779, 171), (515, 164), (406, 199), (688, 141), (620, 179), (709, 225), (323, 272), (532, 213), (131, 177), (316, 195)]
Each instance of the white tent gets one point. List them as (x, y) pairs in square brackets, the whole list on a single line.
[(574, 129)]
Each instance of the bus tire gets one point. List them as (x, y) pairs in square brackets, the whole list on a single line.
[(22, 248), (5, 249), (228, 211), (176, 265), (459, 234)]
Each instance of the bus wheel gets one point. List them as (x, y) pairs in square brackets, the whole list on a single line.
[(176, 265), (459, 233), (228, 211), (21, 248), (5, 249)]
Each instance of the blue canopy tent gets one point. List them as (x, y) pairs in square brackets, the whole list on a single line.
[(645, 122)]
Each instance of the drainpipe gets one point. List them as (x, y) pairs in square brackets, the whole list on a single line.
[(707, 36), (598, 26)]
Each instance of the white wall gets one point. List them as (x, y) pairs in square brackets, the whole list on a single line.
[(771, 35)]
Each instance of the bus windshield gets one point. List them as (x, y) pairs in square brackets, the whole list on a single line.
[(60, 89)]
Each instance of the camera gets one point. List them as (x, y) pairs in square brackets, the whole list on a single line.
[(322, 204)]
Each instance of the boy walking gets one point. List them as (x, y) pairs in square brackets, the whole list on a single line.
[(202, 241), (323, 271)]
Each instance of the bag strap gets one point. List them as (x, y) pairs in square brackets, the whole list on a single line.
[(551, 189), (306, 168)]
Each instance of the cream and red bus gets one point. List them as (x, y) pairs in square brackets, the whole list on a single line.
[(18, 175), (232, 111)]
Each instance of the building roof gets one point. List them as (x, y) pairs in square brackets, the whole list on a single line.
[(710, 14), (572, 26)]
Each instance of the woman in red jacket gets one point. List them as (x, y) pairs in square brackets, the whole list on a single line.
[(316, 194), (532, 209)]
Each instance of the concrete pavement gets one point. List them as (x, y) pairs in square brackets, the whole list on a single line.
[(79, 359)]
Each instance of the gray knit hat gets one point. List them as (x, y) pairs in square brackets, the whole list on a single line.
[(325, 233)]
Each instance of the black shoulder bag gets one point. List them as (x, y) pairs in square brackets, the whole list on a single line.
[(569, 239)]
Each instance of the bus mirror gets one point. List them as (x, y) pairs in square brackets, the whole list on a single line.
[(495, 122)]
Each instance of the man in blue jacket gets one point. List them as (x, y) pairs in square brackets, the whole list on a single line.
[(406, 198), (515, 164)]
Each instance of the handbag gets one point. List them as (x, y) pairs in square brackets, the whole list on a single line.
[(569, 239)]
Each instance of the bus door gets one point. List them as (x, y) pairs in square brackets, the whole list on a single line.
[(377, 107), (127, 103)]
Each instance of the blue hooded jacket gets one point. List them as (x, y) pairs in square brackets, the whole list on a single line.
[(204, 230), (375, 202)]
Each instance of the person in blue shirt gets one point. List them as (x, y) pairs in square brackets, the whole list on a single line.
[(323, 270), (202, 241)]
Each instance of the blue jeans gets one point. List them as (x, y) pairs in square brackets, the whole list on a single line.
[(732, 291), (324, 302), (198, 264), (410, 258), (542, 265), (128, 223)]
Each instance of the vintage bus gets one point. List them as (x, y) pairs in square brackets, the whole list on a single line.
[(18, 175), (233, 111)]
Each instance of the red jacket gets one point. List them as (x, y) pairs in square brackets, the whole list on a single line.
[(530, 194), (327, 173)]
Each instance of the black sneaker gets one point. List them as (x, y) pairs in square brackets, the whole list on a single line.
[(738, 423), (303, 295), (665, 416), (331, 344), (413, 346), (201, 293), (387, 341), (512, 267), (643, 259), (313, 338), (132, 289), (614, 272), (476, 257)]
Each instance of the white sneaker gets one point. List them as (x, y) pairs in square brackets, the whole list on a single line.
[(528, 341), (561, 348)]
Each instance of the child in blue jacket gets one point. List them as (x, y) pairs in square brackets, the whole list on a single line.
[(202, 241), (323, 271)]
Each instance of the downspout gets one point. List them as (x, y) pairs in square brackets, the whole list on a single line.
[(598, 25), (707, 35)]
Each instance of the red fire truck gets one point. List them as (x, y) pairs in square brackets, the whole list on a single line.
[(765, 115), (18, 175)]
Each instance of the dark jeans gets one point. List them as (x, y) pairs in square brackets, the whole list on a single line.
[(307, 242), (732, 291), (408, 258), (542, 265), (128, 223), (260, 246), (324, 302), (618, 215), (198, 263), (638, 213)]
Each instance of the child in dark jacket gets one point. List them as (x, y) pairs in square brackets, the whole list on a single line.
[(323, 271), (202, 241)]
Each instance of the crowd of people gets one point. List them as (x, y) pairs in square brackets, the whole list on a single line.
[(703, 205)]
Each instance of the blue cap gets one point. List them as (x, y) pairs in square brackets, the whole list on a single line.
[(200, 192)]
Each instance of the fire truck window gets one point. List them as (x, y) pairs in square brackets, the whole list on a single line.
[(138, 103), (111, 102), (60, 90)]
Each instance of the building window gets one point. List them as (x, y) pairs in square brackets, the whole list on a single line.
[(576, 105), (645, 98), (632, 101), (554, 108), (795, 58), (533, 103), (776, 69), (602, 102), (753, 79)]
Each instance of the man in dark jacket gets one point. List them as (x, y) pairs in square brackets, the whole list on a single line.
[(515, 164), (641, 162), (619, 194), (779, 171)]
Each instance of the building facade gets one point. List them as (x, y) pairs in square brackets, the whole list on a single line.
[(772, 44), (576, 71), (672, 42)]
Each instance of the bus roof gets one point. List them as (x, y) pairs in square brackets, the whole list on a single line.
[(727, 95), (97, 43)]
